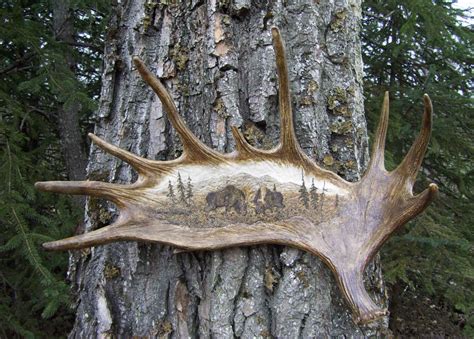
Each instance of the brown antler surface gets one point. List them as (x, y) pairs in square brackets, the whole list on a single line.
[(205, 200)]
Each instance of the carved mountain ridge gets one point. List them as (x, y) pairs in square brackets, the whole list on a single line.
[(243, 180)]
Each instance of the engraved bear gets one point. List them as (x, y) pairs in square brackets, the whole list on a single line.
[(265, 199), (229, 197)]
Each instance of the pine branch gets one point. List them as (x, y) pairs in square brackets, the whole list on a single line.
[(31, 250)]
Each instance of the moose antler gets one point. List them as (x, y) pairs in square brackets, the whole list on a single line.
[(345, 224)]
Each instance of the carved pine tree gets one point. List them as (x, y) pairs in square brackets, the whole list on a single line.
[(181, 189), (171, 194), (313, 194), (304, 197), (189, 192)]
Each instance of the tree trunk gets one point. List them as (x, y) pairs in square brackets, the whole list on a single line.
[(73, 150), (217, 60)]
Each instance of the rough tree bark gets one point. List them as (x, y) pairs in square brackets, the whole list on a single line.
[(217, 60)]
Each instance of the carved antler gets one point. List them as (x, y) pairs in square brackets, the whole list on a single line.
[(345, 225)]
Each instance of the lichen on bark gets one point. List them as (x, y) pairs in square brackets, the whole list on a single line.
[(216, 59)]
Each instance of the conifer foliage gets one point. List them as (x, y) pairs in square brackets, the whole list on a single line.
[(34, 87), (413, 47)]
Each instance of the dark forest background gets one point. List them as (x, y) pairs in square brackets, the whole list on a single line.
[(50, 68)]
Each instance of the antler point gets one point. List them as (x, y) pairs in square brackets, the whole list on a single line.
[(48, 245), (433, 188), (40, 185), (386, 102), (95, 139), (427, 100), (136, 60)]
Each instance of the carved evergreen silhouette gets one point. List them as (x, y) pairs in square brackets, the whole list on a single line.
[(323, 195), (181, 190), (189, 192), (304, 198), (313, 194), (170, 193)]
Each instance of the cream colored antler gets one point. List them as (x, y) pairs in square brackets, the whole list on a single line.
[(345, 223)]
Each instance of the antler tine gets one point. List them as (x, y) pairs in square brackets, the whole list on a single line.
[(412, 162), (141, 165), (420, 202), (287, 139), (194, 149), (97, 237), (207, 238), (378, 149), (105, 190), (244, 149)]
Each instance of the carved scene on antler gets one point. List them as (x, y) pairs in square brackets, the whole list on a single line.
[(205, 200), (240, 195)]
